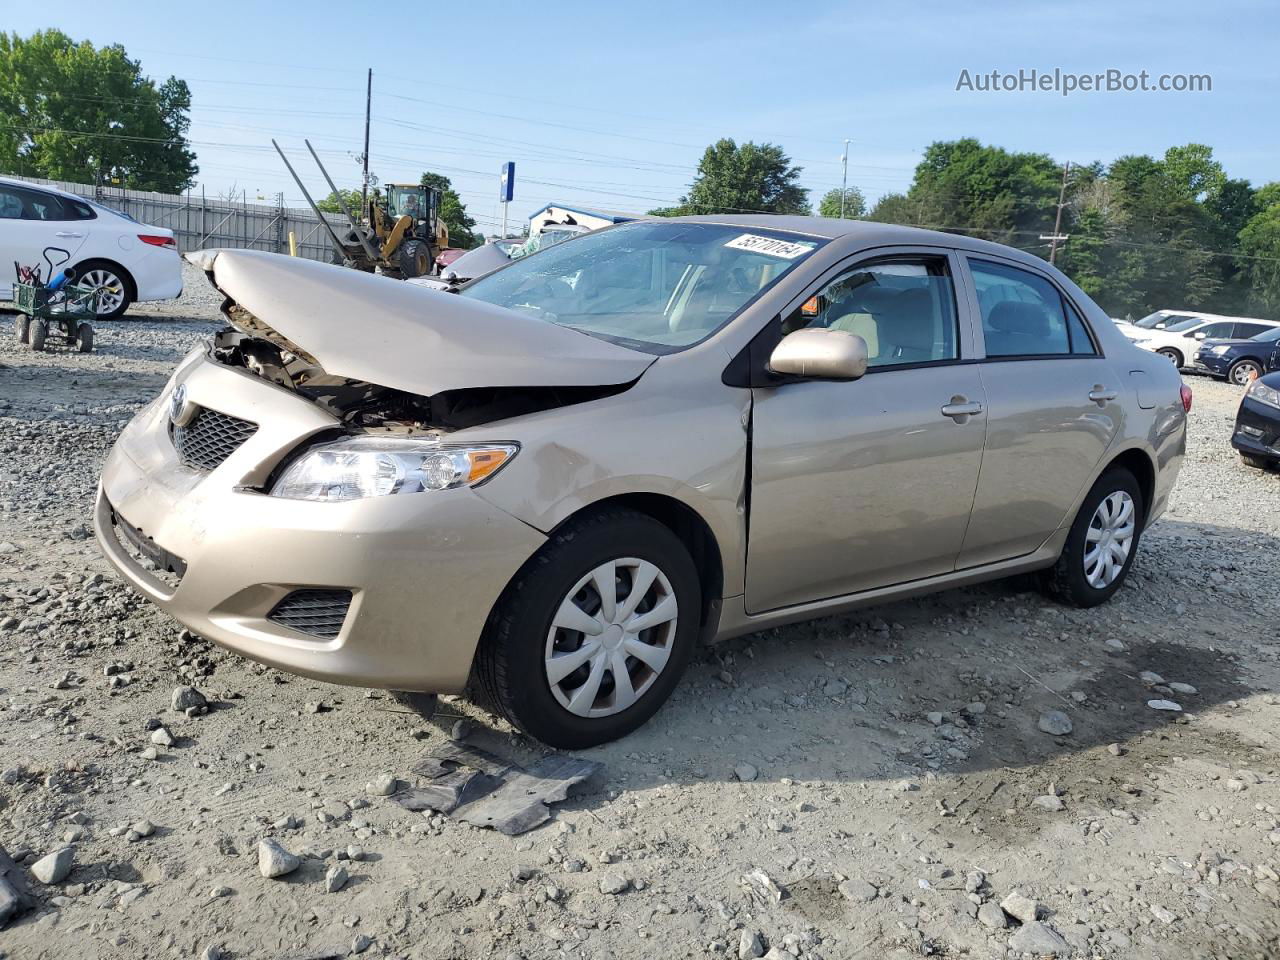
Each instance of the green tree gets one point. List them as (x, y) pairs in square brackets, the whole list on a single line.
[(751, 178), (70, 111), (330, 203), (453, 212), (855, 204), (1259, 249)]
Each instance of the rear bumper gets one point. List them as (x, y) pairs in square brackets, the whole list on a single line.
[(423, 570), (157, 274), (1257, 430)]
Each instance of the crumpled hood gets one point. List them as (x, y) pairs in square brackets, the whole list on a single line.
[(395, 334)]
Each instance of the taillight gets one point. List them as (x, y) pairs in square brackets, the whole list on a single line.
[(1185, 393), (156, 241)]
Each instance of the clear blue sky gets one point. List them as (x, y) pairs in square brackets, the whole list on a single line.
[(611, 104)]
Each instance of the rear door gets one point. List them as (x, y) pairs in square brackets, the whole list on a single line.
[(32, 221), (1052, 409), (857, 485)]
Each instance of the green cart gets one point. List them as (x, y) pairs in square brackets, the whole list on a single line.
[(55, 315)]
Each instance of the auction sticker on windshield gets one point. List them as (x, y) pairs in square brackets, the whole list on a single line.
[(770, 246)]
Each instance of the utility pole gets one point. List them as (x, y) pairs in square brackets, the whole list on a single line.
[(844, 176), (1057, 220), (364, 182)]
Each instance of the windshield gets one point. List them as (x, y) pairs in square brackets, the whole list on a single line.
[(1267, 335), (655, 286), (1150, 320), (1186, 324)]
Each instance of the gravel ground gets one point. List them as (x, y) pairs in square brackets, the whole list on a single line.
[(872, 785)]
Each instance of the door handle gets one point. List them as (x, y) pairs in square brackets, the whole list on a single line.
[(64, 233), (1100, 394), (961, 409)]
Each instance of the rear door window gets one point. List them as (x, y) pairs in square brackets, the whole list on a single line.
[(1024, 315)]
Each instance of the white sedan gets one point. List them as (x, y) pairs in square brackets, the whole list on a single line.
[(1180, 340), (125, 260)]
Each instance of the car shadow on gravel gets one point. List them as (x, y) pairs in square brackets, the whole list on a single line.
[(954, 683)]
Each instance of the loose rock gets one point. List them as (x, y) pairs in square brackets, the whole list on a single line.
[(54, 867), (274, 860), (1055, 722)]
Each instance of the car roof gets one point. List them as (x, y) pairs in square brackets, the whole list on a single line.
[(866, 232), (1202, 315), (10, 181)]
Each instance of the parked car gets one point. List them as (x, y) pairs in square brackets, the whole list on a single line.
[(1179, 341), (447, 256), (125, 260), (1152, 321), (552, 485), (1257, 433), (1240, 360)]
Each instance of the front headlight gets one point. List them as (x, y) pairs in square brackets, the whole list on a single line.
[(1260, 392), (1142, 343), (1220, 349), (378, 466)]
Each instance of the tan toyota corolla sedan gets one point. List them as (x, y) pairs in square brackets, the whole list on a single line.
[(548, 488)]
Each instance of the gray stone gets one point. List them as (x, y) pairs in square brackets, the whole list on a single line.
[(161, 737), (974, 881), (1161, 914), (1049, 802), (858, 891), (274, 860), (1039, 939), (1183, 688), (1167, 705), (212, 952), (934, 718), (1113, 646), (1055, 722), (750, 946), (383, 785), (184, 698), (1020, 907), (614, 883), (54, 867), (1115, 750), (991, 916), (745, 772), (1150, 677), (361, 942), (336, 878)]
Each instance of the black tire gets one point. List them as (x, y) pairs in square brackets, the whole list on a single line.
[(415, 259), (1065, 580), (1172, 355), (1240, 370), (510, 667), (39, 333), (22, 327), (1251, 461), (93, 272), (84, 337)]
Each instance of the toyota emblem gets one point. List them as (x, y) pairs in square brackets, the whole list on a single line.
[(180, 411)]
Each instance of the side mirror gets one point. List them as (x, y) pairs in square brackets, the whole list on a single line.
[(821, 354), (1198, 336)]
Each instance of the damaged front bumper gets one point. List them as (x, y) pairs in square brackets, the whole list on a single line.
[(388, 592)]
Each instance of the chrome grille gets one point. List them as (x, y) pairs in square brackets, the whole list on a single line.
[(319, 613), (210, 438)]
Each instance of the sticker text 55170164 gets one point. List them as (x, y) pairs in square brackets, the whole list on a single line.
[(770, 246)]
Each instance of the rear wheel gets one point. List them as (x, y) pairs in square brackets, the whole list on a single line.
[(1243, 371), (1101, 544), (22, 327), (114, 289), (84, 337), (39, 332), (415, 259), (1251, 461), (1172, 355), (593, 634)]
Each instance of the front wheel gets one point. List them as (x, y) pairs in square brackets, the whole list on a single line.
[(39, 333), (592, 635), (84, 337), (1101, 544), (22, 327), (1172, 355), (1244, 371), (415, 259), (1251, 461)]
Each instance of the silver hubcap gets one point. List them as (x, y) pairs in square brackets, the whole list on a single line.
[(611, 637), (109, 286), (1109, 540), (1169, 355), (1244, 373)]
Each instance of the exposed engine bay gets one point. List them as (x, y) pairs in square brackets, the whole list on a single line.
[(256, 347)]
